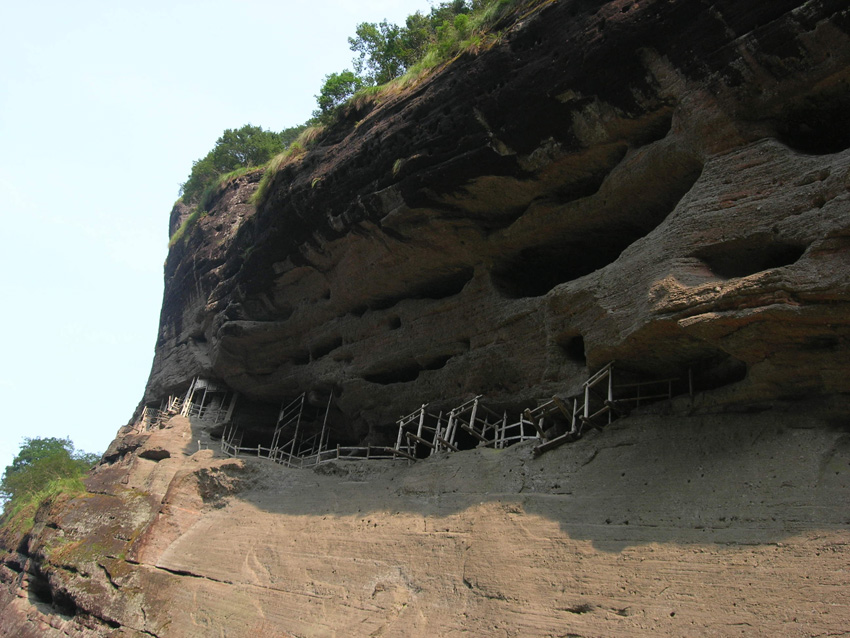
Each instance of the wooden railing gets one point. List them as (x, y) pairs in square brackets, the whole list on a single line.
[(423, 433)]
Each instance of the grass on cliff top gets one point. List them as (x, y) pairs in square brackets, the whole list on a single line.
[(207, 198), (307, 138), (470, 33)]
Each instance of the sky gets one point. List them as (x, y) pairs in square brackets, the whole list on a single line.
[(103, 108)]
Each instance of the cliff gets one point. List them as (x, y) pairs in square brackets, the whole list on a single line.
[(664, 184)]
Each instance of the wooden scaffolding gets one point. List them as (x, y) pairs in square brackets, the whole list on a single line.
[(208, 401), (423, 433)]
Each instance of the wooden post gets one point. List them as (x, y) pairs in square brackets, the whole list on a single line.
[(231, 407), (400, 431), (297, 426), (586, 401), (438, 430), (504, 430), (325, 422), (203, 399), (187, 400), (421, 420)]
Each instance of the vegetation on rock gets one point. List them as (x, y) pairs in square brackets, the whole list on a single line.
[(43, 469), (385, 53), (236, 149)]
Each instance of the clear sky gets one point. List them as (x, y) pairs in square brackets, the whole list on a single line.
[(104, 105)]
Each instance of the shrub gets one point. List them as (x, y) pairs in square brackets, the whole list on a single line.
[(246, 147), (43, 469), (337, 88)]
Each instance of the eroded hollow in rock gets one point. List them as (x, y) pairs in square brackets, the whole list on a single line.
[(535, 271), (573, 347), (255, 422), (438, 287), (406, 372), (819, 126), (715, 371), (319, 350), (38, 588), (749, 255)]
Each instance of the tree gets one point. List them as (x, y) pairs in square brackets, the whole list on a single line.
[(445, 12), (41, 461), (236, 148), (415, 38), (381, 55), (337, 88)]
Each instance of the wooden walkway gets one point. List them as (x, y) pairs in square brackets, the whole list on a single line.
[(423, 433)]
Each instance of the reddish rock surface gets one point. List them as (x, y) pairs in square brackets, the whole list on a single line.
[(662, 183)]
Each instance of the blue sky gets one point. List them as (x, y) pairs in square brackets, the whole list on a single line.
[(103, 108)]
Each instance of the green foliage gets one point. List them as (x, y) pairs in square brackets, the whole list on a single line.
[(246, 147), (43, 468), (380, 52), (337, 88), (388, 53), (19, 513), (385, 53)]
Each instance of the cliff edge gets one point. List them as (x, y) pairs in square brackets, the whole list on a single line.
[(664, 184)]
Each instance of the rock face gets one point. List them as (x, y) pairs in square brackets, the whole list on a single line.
[(664, 183), (717, 525), (660, 183)]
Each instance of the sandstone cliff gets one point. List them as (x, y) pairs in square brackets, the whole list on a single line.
[(664, 183)]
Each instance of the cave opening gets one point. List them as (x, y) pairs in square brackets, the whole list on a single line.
[(573, 348), (38, 588), (401, 374), (749, 255)]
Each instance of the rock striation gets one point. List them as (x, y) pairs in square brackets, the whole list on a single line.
[(660, 183), (664, 183)]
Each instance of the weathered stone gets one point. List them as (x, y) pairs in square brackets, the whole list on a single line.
[(662, 183)]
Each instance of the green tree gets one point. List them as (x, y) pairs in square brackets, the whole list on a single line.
[(41, 461), (445, 12), (380, 51), (415, 38), (236, 148), (337, 88)]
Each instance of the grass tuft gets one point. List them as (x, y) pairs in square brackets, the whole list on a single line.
[(19, 518), (308, 137), (186, 226)]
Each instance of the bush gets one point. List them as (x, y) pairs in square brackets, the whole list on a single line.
[(44, 469), (41, 461), (337, 88), (246, 147)]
